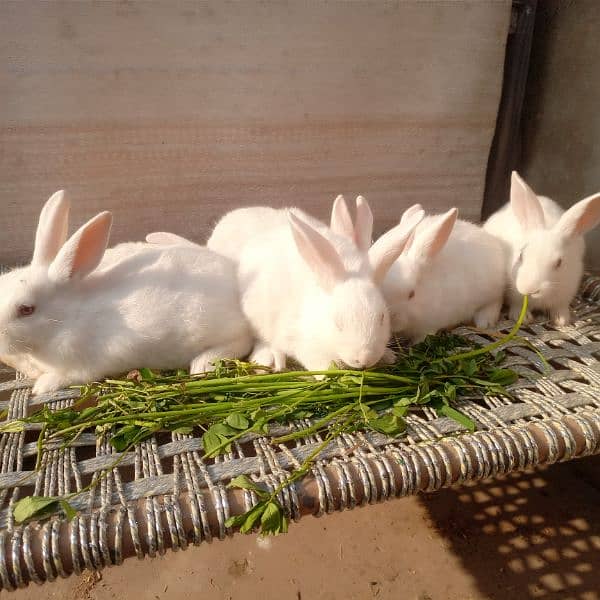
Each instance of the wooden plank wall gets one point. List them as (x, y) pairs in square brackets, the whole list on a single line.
[(169, 113)]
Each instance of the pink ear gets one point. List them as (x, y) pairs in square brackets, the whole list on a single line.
[(407, 214), (363, 230), (389, 246), (84, 250), (52, 229), (341, 221), (318, 253), (410, 211), (409, 242), (434, 237), (581, 217), (525, 204)]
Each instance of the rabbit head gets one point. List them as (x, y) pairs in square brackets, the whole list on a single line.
[(550, 253), (352, 314), (31, 297), (402, 283)]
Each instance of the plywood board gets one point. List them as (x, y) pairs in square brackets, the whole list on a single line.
[(170, 113)]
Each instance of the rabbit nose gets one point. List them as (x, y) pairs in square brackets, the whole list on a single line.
[(364, 360), (531, 292), (355, 363)]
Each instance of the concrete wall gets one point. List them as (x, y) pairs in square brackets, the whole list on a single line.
[(169, 113), (561, 129)]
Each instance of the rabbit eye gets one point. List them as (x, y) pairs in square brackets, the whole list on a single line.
[(558, 263), (411, 294), (25, 310)]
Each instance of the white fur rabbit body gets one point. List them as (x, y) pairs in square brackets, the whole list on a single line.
[(236, 227), (231, 232), (308, 292), (451, 272), (79, 313), (544, 248)]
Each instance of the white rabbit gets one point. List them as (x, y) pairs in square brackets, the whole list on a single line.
[(544, 248), (238, 226), (450, 272), (230, 233), (310, 293), (78, 313)]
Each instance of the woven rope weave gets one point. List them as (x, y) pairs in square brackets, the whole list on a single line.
[(165, 494)]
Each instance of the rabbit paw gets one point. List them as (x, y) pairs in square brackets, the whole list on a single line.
[(49, 382), (561, 317), (487, 316), (268, 357), (202, 364), (515, 311)]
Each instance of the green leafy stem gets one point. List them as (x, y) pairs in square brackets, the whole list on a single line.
[(234, 402)]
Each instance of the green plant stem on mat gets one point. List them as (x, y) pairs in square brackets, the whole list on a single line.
[(503, 340), (232, 403)]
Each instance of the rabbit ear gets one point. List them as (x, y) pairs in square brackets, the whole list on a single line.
[(318, 253), (84, 250), (341, 221), (389, 246), (363, 230), (525, 204), (581, 217), (434, 237), (410, 211), (52, 229), (407, 214), (409, 242), (164, 238)]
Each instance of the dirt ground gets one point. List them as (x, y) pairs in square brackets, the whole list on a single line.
[(532, 535)]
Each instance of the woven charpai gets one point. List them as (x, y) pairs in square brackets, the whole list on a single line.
[(165, 494)]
